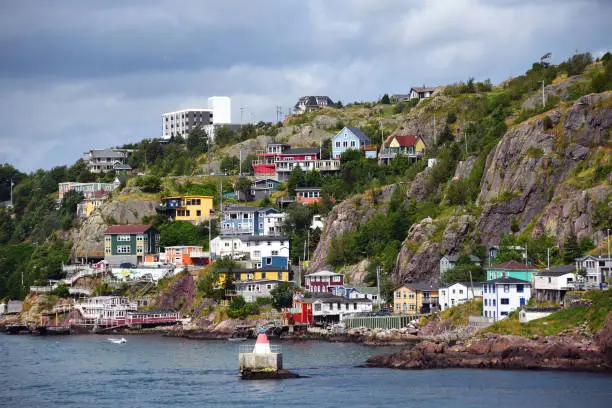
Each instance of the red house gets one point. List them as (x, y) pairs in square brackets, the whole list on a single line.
[(266, 164), (323, 281), (301, 312)]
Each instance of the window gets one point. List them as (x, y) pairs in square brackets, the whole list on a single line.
[(268, 261), (345, 144), (504, 301), (398, 295), (519, 288), (494, 302), (198, 213), (317, 307), (352, 143), (411, 307), (274, 253), (461, 291), (549, 281), (411, 295), (354, 306), (337, 144), (139, 237), (506, 288), (269, 243), (124, 249), (269, 286), (486, 302), (504, 313), (107, 251), (107, 238), (123, 238), (335, 278)]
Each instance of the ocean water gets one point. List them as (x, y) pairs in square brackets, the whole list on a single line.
[(151, 371)]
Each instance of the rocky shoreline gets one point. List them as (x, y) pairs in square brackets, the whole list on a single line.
[(561, 352)]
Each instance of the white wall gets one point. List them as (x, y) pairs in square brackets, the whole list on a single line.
[(492, 305), (553, 282), (456, 294), (222, 247), (222, 109)]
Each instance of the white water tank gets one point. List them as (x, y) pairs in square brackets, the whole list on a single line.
[(222, 109)]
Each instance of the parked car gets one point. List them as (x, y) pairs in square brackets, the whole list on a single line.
[(383, 312), (127, 265)]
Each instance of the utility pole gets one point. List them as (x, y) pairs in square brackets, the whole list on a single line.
[(378, 283), (208, 152), (434, 135), (465, 137), (608, 229), (12, 184), (209, 234), (543, 94), (308, 242), (240, 169)]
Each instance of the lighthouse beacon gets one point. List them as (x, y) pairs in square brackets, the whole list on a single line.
[(262, 345)]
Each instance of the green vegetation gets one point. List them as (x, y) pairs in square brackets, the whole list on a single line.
[(594, 316), (454, 316)]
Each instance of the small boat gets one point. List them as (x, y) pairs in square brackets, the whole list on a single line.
[(118, 341), (237, 339)]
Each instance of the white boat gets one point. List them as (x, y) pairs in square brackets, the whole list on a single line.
[(118, 341)]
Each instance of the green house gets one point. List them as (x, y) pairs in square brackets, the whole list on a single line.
[(511, 269), (130, 243)]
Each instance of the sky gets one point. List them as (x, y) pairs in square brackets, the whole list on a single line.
[(77, 75)]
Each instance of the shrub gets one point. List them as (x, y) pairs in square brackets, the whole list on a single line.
[(547, 123), (534, 152)]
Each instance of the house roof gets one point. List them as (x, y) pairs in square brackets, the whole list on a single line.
[(513, 266), (119, 154), (253, 237), (423, 88), (314, 101), (247, 208), (121, 166), (308, 189), (329, 298), (466, 284), (128, 229), (508, 280), (403, 140), (596, 258), (324, 273), (420, 286), (358, 133), (300, 151), (558, 270), (372, 290)]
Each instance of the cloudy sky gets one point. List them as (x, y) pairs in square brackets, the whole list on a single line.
[(77, 74)]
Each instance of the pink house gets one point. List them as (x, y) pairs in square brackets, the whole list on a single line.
[(323, 281)]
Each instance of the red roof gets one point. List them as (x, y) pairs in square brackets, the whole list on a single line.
[(513, 266), (128, 229), (403, 140)]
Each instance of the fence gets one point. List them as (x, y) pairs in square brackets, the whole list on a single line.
[(380, 322), (248, 348), (479, 322)]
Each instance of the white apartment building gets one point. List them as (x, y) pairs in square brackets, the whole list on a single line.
[(248, 247), (180, 123), (504, 295), (458, 293)]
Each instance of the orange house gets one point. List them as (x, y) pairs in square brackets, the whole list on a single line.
[(308, 195), (186, 255)]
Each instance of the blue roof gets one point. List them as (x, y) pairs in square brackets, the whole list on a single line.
[(357, 132)]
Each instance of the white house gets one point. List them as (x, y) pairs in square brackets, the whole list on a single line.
[(323, 281), (551, 285), (421, 92), (504, 295), (318, 221), (364, 292), (249, 247), (458, 293), (253, 289), (332, 309), (598, 269), (273, 222)]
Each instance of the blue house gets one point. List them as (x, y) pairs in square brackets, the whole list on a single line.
[(281, 262), (348, 138), (247, 220)]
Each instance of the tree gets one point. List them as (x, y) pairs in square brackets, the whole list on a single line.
[(446, 135), (461, 273), (68, 205), (243, 185), (296, 179), (282, 295), (385, 100), (179, 233), (571, 250), (149, 184), (197, 141), (229, 164)]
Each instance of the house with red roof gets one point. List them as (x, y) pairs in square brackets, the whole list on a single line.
[(130, 243), (511, 269), (411, 146)]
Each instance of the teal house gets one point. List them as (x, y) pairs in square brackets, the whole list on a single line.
[(511, 269), (130, 243)]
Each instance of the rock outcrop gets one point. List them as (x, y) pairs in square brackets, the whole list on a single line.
[(527, 168), (89, 238), (561, 352), (347, 216)]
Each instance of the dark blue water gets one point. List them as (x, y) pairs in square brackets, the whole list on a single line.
[(84, 371)]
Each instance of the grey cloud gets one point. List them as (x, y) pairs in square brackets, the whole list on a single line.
[(77, 75)]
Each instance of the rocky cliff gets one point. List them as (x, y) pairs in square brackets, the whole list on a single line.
[(89, 237)]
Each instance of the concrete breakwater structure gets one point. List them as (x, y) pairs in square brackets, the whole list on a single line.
[(262, 361)]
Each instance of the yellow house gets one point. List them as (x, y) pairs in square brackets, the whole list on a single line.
[(415, 298), (408, 145), (194, 209), (88, 205), (256, 274)]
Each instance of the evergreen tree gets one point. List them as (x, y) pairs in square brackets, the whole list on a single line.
[(571, 250), (385, 99)]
